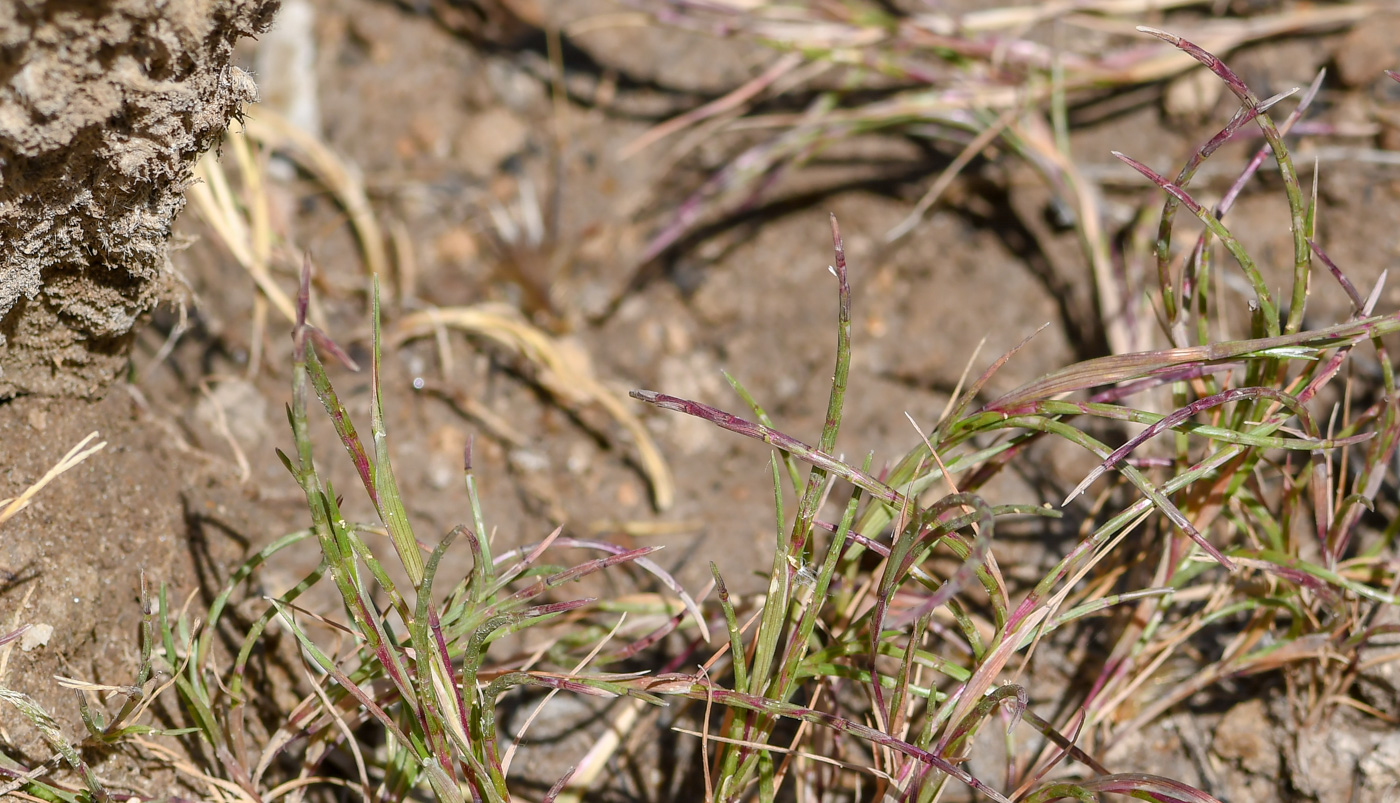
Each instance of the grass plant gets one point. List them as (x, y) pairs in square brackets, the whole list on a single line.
[(1252, 522), (416, 666)]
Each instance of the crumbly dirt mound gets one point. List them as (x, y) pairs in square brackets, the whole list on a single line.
[(103, 108)]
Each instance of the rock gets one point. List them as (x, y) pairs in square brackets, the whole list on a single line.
[(1364, 54), (1380, 772), (1324, 762), (1244, 744), (694, 376), (1193, 94), (35, 636), (1245, 736), (489, 139), (235, 406)]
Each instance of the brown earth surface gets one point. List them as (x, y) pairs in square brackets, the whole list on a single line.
[(450, 119)]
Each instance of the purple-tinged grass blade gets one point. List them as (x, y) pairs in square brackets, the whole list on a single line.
[(1292, 568), (777, 440), (302, 330), (1350, 289), (443, 655), (1030, 421), (588, 567), (638, 557), (1149, 787), (341, 679), (329, 346), (1256, 437), (970, 693), (904, 553), (1011, 696), (1168, 219), (344, 427), (970, 394), (390, 502), (1124, 367), (1183, 414), (576, 572), (1375, 296), (648, 640), (702, 689), (1292, 188), (6, 638), (558, 787), (1267, 309), (1171, 376), (1227, 202), (1065, 744)]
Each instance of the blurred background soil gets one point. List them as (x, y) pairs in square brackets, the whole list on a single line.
[(500, 181)]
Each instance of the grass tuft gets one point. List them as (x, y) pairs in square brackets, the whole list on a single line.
[(1242, 524)]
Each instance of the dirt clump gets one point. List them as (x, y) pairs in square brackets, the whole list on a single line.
[(103, 109)]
